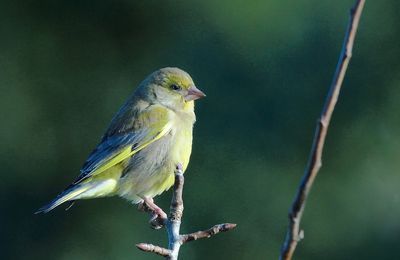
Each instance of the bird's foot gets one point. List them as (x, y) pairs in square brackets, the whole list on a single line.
[(156, 209), (158, 217)]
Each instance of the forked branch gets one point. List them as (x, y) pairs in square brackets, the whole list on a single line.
[(294, 234), (173, 223)]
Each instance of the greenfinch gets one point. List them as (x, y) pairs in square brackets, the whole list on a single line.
[(147, 138)]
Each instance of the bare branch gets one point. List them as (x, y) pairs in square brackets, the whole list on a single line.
[(208, 233), (154, 249), (176, 210), (294, 234), (173, 223)]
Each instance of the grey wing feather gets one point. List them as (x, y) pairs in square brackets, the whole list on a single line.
[(120, 132), (106, 150)]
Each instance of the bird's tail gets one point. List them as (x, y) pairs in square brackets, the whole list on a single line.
[(69, 194)]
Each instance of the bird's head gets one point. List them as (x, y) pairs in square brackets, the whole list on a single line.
[(171, 87)]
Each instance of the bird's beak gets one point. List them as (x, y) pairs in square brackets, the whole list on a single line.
[(194, 93)]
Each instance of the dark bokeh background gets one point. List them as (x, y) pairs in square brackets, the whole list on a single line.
[(67, 66)]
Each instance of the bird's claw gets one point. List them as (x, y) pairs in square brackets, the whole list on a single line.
[(156, 222), (157, 216)]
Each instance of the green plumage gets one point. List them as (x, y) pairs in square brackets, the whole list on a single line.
[(147, 138)]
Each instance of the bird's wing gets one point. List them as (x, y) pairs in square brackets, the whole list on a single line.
[(150, 125)]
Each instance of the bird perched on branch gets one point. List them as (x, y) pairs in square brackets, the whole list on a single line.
[(146, 139)]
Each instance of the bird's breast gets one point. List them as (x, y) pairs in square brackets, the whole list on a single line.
[(181, 145), (150, 171)]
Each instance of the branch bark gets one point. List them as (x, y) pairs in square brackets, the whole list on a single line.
[(294, 234), (173, 223)]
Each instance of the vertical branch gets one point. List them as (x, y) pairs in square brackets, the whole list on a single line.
[(175, 216), (294, 235)]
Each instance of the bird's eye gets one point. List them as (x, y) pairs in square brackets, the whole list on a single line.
[(175, 87)]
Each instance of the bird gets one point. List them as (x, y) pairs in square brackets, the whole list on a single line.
[(147, 139)]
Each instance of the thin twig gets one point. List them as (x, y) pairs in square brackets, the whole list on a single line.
[(173, 223), (208, 233), (294, 234), (154, 249)]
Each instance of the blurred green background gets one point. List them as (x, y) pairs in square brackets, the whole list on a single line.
[(67, 66)]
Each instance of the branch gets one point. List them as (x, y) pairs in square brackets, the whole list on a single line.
[(294, 234), (173, 223), (208, 233)]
